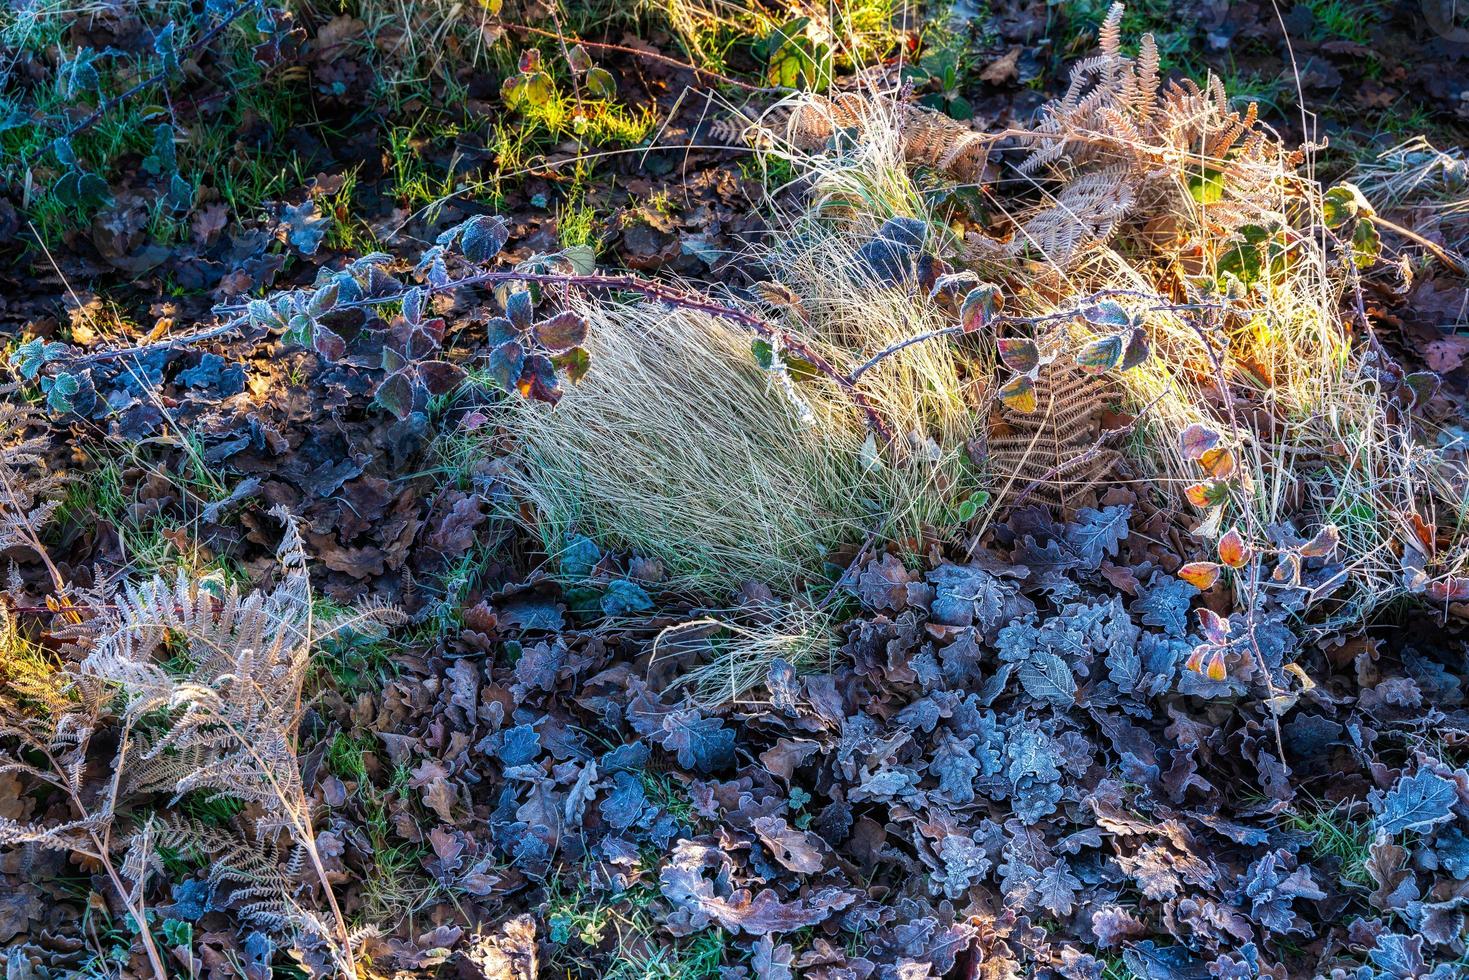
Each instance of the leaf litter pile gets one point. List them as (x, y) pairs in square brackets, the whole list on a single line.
[(1042, 552)]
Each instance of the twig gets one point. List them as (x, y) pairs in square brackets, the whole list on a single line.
[(613, 283), (1454, 262), (999, 321), (203, 41), (647, 56)]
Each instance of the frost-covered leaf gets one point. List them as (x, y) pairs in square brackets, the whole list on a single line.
[(1095, 534), (1165, 602), (1271, 885), (1046, 677), (700, 742), (1417, 802), (305, 226), (1018, 394), (624, 597)]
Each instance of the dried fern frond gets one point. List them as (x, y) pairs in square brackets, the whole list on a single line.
[(810, 122), (27, 487), (1138, 152), (1050, 456), (233, 708)]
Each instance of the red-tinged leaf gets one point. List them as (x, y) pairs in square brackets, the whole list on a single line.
[(1424, 535), (1424, 385), (1200, 574), (980, 306), (1451, 589), (562, 332), (530, 61), (1289, 569), (1323, 544), (440, 377), (1216, 671), (1101, 355), (538, 380), (1019, 354), (1233, 550), (1216, 628), (328, 343), (1218, 463), (1136, 350), (1195, 660), (1196, 440), (578, 60), (1108, 313), (1207, 494), (1018, 394)]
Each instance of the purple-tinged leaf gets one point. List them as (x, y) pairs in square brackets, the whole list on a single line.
[(562, 332)]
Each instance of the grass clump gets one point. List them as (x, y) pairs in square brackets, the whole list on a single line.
[(730, 461), (678, 446)]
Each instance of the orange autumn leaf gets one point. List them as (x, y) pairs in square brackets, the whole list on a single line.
[(1218, 463), (1205, 495), (1232, 549), (1424, 533), (1216, 667), (1200, 574)]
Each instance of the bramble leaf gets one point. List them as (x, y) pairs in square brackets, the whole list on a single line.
[(1200, 574), (1019, 354), (1018, 394), (1101, 355)]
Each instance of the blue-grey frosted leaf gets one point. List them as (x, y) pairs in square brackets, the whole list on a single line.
[(622, 807), (580, 556), (624, 597), (955, 766), (519, 745), (1046, 677), (700, 742), (1417, 802), (1165, 602), (1095, 534)]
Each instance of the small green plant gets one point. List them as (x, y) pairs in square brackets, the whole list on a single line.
[(1344, 20), (1336, 835), (583, 105)]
